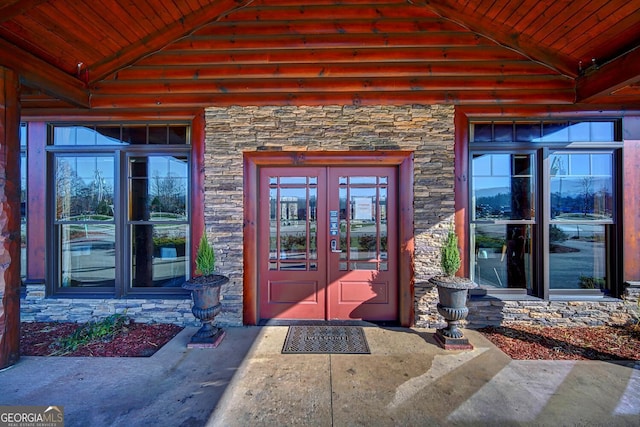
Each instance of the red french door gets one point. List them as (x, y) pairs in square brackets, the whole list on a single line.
[(327, 243)]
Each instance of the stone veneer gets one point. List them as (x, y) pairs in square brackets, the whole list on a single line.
[(34, 307), (428, 131)]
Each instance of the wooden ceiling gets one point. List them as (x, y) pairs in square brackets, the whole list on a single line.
[(149, 55)]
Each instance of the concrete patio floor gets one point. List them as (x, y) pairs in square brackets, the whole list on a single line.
[(407, 380)]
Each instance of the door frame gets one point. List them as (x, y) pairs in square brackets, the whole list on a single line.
[(254, 160)]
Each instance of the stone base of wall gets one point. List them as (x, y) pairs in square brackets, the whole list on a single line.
[(486, 311), (34, 307)]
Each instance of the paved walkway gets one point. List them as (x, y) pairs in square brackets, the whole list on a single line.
[(407, 380)]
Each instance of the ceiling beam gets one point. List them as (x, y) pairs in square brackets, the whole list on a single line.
[(161, 38), (511, 40), (11, 8), (39, 74), (606, 79)]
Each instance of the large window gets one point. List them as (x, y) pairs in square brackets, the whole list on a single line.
[(542, 197), (120, 208), (23, 201)]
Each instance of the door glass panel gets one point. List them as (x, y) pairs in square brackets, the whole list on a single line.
[(293, 226), (577, 256), (363, 222), (364, 236), (293, 223)]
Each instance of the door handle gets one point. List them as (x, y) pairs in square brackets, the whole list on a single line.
[(334, 247)]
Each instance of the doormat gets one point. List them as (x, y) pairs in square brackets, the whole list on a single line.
[(325, 339)]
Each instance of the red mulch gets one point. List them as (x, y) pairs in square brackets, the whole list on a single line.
[(134, 340), (519, 342), (523, 342)]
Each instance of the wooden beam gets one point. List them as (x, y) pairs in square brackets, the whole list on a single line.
[(41, 75), (331, 41), (9, 218), (609, 77), (11, 8), (159, 39), (171, 57), (338, 69), (198, 100), (343, 84), (512, 40)]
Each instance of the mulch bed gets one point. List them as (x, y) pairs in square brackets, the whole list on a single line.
[(523, 342), (520, 342), (133, 340)]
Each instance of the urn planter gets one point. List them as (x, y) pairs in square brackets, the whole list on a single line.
[(205, 293), (452, 305)]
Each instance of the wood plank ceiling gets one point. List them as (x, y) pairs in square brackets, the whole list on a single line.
[(157, 54)]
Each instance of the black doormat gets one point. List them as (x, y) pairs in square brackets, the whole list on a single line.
[(325, 339)]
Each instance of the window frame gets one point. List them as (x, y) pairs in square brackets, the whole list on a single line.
[(121, 153), (540, 229)]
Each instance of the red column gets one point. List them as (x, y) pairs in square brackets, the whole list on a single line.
[(631, 198), (9, 218)]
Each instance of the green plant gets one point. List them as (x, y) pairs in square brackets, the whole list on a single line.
[(92, 331), (205, 257), (450, 255), (590, 282)]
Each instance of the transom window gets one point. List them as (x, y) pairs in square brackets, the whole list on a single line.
[(543, 220), (120, 208)]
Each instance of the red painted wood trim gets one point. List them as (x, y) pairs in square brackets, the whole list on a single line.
[(631, 201), (36, 201), (406, 280), (402, 159), (250, 244), (461, 168), (197, 184)]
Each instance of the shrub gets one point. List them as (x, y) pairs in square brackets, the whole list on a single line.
[(205, 257), (450, 255)]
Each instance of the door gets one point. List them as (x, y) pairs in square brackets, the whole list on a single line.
[(327, 243)]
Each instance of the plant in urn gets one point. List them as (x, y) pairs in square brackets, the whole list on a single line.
[(205, 293), (452, 294)]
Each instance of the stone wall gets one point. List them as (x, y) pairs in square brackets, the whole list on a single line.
[(428, 131), (485, 311), (34, 307)]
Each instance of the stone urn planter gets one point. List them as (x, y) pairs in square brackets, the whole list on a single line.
[(452, 294), (205, 294)]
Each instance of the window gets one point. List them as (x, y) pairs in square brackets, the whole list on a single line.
[(120, 208), (23, 201), (542, 197)]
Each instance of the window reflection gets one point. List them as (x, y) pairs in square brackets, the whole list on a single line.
[(293, 223), (159, 255), (581, 186), (503, 186), (87, 255), (158, 188), (84, 188), (503, 255), (577, 256)]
